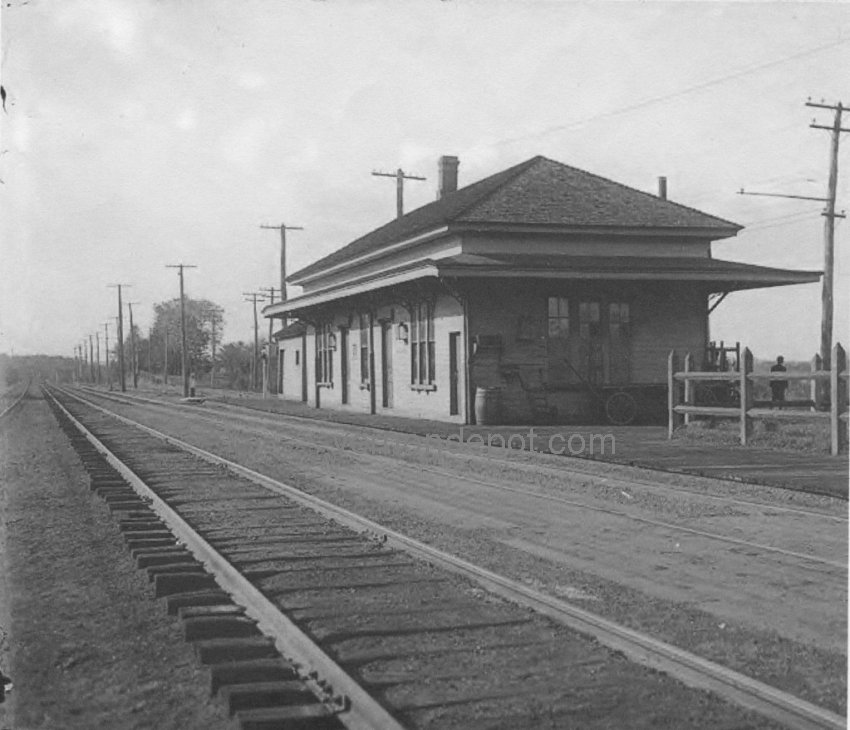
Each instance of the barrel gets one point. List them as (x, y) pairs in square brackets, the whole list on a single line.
[(486, 406)]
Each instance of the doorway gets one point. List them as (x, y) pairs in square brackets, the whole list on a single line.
[(386, 364), (454, 374), (303, 367), (343, 363), (280, 353)]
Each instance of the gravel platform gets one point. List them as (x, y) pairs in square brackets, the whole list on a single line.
[(435, 649)]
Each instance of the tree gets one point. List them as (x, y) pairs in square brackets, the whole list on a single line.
[(235, 360), (201, 316)]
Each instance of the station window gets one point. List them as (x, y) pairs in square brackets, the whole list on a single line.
[(324, 355), (364, 348), (422, 350), (559, 317)]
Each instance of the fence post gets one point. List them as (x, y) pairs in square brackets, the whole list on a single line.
[(673, 418), (746, 363), (814, 386), (838, 401), (688, 395)]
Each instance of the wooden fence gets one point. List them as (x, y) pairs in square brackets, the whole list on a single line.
[(735, 399)]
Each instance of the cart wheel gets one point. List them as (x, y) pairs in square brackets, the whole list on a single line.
[(621, 408)]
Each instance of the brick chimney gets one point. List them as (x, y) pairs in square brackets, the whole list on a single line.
[(662, 188), (447, 175)]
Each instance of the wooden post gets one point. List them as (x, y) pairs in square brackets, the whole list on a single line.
[(838, 402), (746, 363), (673, 418), (814, 386), (688, 388)]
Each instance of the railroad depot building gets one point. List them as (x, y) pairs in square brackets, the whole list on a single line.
[(540, 287)]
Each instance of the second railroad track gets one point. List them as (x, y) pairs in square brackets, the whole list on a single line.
[(386, 631)]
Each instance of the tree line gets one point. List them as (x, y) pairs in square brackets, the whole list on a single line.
[(155, 353)]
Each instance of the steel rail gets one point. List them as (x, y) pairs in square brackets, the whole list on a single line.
[(17, 401), (329, 426), (688, 668), (364, 712), (764, 548)]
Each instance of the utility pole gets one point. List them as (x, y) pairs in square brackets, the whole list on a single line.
[(283, 228), (254, 297), (184, 351), (400, 177), (284, 320), (97, 354), (91, 358), (829, 228), (106, 358), (150, 353), (133, 364), (215, 316), (165, 360), (121, 377), (267, 372)]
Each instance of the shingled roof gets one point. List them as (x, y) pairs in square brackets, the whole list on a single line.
[(537, 192)]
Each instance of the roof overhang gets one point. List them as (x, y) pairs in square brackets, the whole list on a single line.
[(722, 275), (714, 275), (712, 233), (299, 279), (414, 272)]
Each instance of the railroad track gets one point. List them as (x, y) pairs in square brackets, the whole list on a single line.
[(624, 486), (12, 406), (575, 466), (396, 623)]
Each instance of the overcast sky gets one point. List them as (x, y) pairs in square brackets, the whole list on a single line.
[(139, 134)]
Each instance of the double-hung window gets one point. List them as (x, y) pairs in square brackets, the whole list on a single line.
[(422, 350), (364, 349), (619, 333), (558, 340), (324, 355)]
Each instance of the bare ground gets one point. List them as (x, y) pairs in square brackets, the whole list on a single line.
[(773, 618), (87, 646)]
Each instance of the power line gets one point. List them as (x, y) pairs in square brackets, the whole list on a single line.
[(674, 94), (797, 219)]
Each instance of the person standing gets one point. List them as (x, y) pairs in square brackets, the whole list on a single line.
[(778, 387)]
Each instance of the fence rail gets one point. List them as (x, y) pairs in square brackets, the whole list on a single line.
[(682, 395)]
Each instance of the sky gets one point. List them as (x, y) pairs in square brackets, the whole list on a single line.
[(139, 134)]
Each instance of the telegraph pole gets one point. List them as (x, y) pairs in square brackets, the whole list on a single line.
[(829, 228), (268, 369), (121, 377), (283, 228), (133, 364), (400, 177), (254, 297), (215, 314), (106, 342), (184, 353), (91, 358), (97, 353)]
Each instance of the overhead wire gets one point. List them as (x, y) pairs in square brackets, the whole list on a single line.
[(674, 94)]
